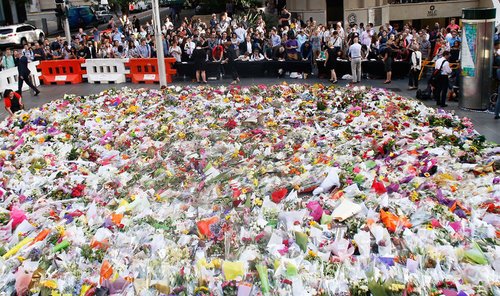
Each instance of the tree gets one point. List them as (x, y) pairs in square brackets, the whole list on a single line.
[(121, 6)]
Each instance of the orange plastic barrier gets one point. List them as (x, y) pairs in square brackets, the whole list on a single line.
[(146, 70), (62, 71)]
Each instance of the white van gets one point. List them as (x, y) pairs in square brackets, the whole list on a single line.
[(139, 6)]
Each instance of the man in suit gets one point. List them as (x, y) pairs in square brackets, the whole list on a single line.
[(246, 46), (24, 74)]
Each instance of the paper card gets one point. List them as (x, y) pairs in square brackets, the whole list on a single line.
[(345, 210), (149, 76), (61, 78)]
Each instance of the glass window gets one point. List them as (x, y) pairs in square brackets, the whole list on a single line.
[(5, 31)]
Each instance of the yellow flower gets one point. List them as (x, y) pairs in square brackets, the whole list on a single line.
[(50, 284), (132, 109), (312, 253), (61, 230)]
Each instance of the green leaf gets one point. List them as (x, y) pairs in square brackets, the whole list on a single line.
[(302, 239), (325, 219), (264, 281), (370, 164), (376, 289), (476, 255), (291, 270)]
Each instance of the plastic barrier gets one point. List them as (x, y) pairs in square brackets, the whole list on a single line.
[(62, 71), (432, 64), (146, 70), (9, 78), (106, 70)]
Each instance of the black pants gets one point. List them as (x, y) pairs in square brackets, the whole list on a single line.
[(231, 68), (441, 90), (20, 82), (413, 78)]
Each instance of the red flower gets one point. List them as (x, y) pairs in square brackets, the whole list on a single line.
[(277, 196), (78, 190), (230, 124)]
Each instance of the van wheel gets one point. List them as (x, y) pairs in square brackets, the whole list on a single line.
[(40, 38)]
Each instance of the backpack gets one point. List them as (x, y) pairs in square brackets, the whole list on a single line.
[(436, 74), (423, 95)]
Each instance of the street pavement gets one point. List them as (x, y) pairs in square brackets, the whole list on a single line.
[(483, 121)]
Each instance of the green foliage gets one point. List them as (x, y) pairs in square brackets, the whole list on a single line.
[(253, 16), (121, 5)]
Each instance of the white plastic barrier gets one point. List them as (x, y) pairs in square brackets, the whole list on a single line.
[(105, 70), (9, 78)]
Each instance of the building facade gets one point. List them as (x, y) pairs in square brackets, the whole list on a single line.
[(48, 5), (379, 12), (12, 12)]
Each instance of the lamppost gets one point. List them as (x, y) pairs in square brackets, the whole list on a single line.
[(62, 11), (159, 44)]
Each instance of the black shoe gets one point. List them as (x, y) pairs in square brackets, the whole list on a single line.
[(37, 93), (497, 117), (443, 105)]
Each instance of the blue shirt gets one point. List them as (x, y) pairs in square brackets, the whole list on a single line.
[(301, 39), (143, 50), (452, 40), (275, 40)]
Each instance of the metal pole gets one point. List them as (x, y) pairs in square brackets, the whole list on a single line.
[(67, 32), (159, 44)]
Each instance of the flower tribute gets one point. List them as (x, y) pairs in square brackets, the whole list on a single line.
[(263, 190)]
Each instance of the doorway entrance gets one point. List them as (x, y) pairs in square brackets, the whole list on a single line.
[(334, 11)]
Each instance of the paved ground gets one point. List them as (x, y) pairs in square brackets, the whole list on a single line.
[(483, 121)]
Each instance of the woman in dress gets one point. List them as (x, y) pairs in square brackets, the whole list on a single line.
[(330, 61), (199, 57), (387, 59)]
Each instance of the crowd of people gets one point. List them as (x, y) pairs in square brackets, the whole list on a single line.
[(224, 39), (290, 39)]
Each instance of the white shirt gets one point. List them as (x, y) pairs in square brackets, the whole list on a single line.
[(337, 41), (366, 38), (257, 58), (175, 51), (355, 50), (445, 70), (241, 34), (409, 38), (416, 60), (249, 47), (260, 29), (189, 48)]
